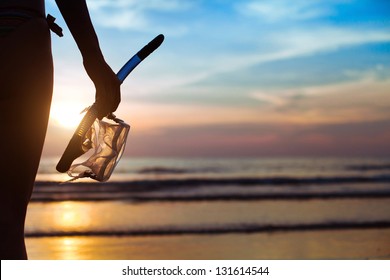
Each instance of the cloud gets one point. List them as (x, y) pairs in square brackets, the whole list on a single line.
[(277, 46), (379, 72), (302, 42), (284, 10), (206, 50), (270, 99), (131, 14), (280, 10), (282, 139), (354, 101), (327, 38), (161, 5)]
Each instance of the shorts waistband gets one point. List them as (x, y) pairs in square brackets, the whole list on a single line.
[(11, 18), (19, 13)]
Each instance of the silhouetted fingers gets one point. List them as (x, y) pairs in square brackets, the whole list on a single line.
[(108, 98)]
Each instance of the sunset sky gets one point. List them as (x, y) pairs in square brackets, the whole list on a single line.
[(238, 78)]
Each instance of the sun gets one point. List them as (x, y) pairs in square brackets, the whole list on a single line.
[(66, 115)]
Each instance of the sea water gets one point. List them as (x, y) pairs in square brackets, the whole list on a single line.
[(165, 196)]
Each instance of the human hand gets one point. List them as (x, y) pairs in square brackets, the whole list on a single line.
[(107, 86)]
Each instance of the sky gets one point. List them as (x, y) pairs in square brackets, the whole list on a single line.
[(237, 78)]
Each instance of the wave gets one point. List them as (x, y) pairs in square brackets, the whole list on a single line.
[(369, 167), (212, 189), (226, 229), (384, 178), (162, 170), (82, 196)]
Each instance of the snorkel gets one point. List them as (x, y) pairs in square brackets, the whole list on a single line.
[(78, 144)]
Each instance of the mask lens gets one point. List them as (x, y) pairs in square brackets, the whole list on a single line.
[(108, 141)]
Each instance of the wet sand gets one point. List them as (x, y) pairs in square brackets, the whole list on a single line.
[(320, 244)]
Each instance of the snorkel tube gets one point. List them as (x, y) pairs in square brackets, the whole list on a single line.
[(76, 146)]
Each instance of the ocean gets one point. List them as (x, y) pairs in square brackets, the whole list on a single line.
[(166, 197)]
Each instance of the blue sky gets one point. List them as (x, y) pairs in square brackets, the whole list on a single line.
[(239, 78)]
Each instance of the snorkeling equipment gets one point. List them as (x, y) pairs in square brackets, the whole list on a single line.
[(108, 141), (106, 138)]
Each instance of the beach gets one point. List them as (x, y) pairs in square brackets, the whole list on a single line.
[(328, 244), (216, 209)]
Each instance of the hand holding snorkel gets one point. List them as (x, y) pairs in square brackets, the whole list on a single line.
[(104, 105), (107, 86)]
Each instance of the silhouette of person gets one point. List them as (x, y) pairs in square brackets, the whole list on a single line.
[(26, 82)]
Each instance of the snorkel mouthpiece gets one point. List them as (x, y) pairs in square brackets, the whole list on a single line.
[(79, 144)]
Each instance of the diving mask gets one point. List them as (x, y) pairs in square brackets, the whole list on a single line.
[(107, 139)]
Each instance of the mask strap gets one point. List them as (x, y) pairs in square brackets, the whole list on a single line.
[(85, 174)]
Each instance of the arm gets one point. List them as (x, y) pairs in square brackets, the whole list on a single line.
[(76, 15)]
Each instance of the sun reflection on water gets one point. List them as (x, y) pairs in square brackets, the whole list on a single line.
[(72, 216), (69, 248)]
